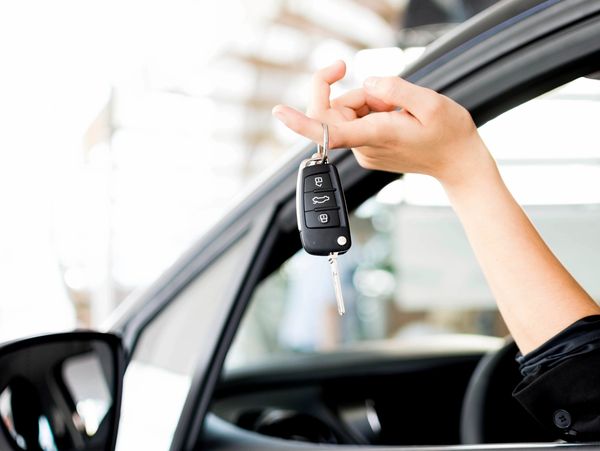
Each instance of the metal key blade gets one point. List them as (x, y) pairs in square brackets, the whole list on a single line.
[(337, 284)]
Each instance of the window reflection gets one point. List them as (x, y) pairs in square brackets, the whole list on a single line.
[(85, 380), (20, 409)]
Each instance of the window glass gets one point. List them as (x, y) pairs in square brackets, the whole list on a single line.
[(160, 372), (411, 272)]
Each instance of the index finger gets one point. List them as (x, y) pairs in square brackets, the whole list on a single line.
[(355, 133)]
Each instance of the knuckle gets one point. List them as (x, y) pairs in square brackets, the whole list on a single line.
[(465, 114), (437, 104), (319, 75), (462, 114), (389, 87), (433, 108), (430, 93)]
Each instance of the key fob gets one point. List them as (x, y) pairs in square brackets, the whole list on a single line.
[(321, 209)]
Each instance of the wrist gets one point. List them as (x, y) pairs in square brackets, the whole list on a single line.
[(475, 169)]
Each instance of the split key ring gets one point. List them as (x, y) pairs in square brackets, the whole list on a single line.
[(322, 150)]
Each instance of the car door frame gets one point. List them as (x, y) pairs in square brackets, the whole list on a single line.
[(476, 66)]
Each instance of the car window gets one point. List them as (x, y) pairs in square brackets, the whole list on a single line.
[(411, 273), (159, 374)]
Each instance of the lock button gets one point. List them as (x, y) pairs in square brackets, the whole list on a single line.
[(320, 219), (317, 182)]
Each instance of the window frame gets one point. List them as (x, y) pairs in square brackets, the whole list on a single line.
[(269, 212)]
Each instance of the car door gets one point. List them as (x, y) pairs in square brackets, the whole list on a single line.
[(506, 56)]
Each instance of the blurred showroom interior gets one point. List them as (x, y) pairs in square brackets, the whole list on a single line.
[(129, 127)]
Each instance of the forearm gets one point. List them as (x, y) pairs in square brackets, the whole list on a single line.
[(535, 293)]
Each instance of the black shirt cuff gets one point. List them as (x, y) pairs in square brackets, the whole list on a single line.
[(566, 397), (561, 383), (579, 338)]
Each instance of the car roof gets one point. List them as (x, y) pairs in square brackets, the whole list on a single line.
[(471, 32)]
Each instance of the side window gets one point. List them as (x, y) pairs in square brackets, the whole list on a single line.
[(411, 273), (160, 372)]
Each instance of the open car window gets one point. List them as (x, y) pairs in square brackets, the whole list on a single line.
[(411, 274)]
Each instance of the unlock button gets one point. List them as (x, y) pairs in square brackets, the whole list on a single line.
[(317, 219)]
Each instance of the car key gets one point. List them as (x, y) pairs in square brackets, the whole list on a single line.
[(321, 212)]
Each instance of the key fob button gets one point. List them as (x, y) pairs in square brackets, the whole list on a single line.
[(319, 200), (320, 219), (317, 182)]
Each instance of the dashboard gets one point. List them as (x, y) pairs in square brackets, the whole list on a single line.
[(389, 394)]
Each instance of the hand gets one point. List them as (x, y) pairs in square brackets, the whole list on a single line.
[(431, 134)]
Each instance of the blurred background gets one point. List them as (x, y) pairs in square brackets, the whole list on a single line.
[(128, 127)]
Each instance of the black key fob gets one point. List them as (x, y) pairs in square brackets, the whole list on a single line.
[(321, 208)]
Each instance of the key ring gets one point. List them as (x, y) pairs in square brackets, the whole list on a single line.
[(322, 150)]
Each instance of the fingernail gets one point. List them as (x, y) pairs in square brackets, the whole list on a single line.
[(276, 111), (371, 82)]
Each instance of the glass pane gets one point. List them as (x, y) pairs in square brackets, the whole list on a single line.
[(559, 125), (167, 354)]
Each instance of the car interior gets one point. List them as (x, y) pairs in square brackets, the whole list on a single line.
[(422, 347)]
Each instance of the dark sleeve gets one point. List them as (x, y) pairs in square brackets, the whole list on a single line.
[(561, 383)]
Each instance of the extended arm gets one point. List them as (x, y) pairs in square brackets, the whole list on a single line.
[(393, 125), (535, 294)]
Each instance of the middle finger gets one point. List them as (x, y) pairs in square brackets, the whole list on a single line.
[(359, 101), (321, 87)]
